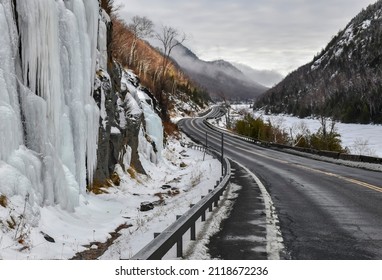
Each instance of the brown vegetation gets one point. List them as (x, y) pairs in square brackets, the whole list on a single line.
[(171, 128), (132, 172), (326, 138), (100, 187), (170, 193), (3, 201), (11, 223), (96, 249), (108, 6), (147, 63)]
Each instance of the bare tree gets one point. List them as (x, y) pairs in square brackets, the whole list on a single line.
[(169, 38), (141, 27), (362, 147), (328, 126), (298, 132), (277, 127)]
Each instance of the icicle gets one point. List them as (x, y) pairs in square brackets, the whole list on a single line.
[(86, 15), (92, 15), (102, 40), (10, 124), (40, 56), (58, 48), (92, 140)]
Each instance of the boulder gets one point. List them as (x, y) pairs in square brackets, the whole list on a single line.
[(146, 206)]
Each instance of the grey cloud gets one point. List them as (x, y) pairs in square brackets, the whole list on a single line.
[(278, 34)]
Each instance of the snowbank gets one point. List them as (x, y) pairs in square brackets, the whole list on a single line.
[(358, 138), (182, 168)]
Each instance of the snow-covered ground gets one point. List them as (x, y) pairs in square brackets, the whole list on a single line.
[(358, 138), (180, 167), (49, 126)]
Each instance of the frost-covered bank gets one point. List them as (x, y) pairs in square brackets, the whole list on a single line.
[(358, 138)]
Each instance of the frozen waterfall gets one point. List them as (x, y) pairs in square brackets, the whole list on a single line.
[(48, 118)]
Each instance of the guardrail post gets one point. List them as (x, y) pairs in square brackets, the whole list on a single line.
[(179, 244), (156, 234), (205, 148), (203, 216), (222, 154), (179, 248), (193, 232)]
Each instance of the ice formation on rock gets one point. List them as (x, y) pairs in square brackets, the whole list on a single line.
[(154, 127), (151, 135), (48, 118)]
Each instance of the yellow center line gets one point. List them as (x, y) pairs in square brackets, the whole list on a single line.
[(350, 180)]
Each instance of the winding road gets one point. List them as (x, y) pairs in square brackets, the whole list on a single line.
[(325, 210)]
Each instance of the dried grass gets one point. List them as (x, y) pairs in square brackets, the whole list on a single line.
[(171, 129), (3, 201), (132, 172)]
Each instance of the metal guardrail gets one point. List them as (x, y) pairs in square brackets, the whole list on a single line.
[(172, 235), (329, 154)]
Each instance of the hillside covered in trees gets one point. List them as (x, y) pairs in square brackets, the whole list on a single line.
[(344, 81), (154, 66)]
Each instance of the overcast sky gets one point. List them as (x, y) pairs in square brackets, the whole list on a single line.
[(276, 35)]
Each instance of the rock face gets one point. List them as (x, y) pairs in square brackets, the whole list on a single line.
[(118, 132), (121, 123), (123, 130)]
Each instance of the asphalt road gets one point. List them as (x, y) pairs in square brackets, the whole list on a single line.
[(325, 210)]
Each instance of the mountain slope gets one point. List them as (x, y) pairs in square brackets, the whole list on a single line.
[(344, 81), (267, 78), (220, 78), (147, 62)]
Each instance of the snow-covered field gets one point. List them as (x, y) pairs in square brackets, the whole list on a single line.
[(182, 168), (358, 138)]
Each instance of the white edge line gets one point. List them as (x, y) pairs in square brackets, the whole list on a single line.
[(275, 242)]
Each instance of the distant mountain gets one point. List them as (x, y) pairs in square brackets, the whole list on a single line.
[(344, 81), (267, 78), (220, 78)]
